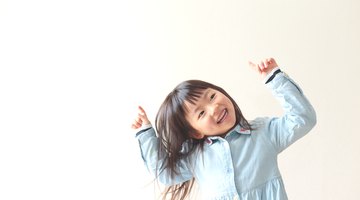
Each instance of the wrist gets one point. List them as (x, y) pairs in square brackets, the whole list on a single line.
[(142, 129), (270, 76)]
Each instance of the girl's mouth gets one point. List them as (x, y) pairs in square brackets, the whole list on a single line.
[(222, 116)]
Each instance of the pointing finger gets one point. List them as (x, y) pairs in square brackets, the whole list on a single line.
[(142, 111), (262, 65), (142, 115), (254, 66)]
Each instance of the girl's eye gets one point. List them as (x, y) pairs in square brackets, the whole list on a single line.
[(212, 96), (201, 114)]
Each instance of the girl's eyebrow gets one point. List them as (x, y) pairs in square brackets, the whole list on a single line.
[(205, 94)]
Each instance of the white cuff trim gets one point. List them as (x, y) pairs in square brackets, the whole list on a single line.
[(270, 74)]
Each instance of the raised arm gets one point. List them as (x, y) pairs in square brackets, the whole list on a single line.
[(299, 115), (149, 145)]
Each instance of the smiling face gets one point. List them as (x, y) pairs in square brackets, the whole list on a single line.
[(212, 114)]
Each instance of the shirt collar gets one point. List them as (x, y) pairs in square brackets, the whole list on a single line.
[(240, 130), (237, 129)]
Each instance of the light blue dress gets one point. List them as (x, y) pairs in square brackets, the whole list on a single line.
[(243, 164)]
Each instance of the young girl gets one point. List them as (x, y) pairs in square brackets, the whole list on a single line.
[(201, 135)]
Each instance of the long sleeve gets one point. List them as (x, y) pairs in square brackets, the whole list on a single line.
[(148, 143), (299, 115)]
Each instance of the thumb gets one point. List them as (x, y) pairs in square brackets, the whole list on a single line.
[(254, 66), (143, 116)]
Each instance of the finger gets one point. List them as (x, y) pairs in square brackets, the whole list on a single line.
[(144, 119), (141, 109), (266, 63), (272, 60), (137, 122), (262, 65), (254, 66), (134, 126)]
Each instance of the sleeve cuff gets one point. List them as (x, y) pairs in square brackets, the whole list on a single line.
[(271, 75), (143, 129)]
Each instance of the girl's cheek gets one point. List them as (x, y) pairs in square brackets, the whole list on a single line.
[(206, 121)]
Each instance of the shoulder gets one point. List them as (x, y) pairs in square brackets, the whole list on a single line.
[(263, 126), (259, 122)]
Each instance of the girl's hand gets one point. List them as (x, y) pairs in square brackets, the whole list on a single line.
[(141, 119), (264, 67)]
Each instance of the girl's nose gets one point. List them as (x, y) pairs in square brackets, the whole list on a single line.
[(213, 109)]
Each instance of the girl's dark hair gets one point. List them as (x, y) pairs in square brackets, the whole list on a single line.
[(173, 130)]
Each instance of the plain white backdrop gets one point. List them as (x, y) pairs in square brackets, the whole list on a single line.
[(73, 72)]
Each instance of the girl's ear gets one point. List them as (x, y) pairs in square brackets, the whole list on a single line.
[(197, 135)]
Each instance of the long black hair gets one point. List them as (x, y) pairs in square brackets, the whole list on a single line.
[(173, 130)]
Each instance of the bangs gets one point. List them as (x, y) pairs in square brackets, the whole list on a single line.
[(193, 96), (187, 97), (190, 91)]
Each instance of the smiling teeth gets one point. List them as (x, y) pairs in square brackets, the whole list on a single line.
[(223, 114)]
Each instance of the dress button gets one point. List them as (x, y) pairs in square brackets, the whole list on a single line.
[(228, 170)]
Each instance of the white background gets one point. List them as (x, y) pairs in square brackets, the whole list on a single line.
[(73, 72)]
